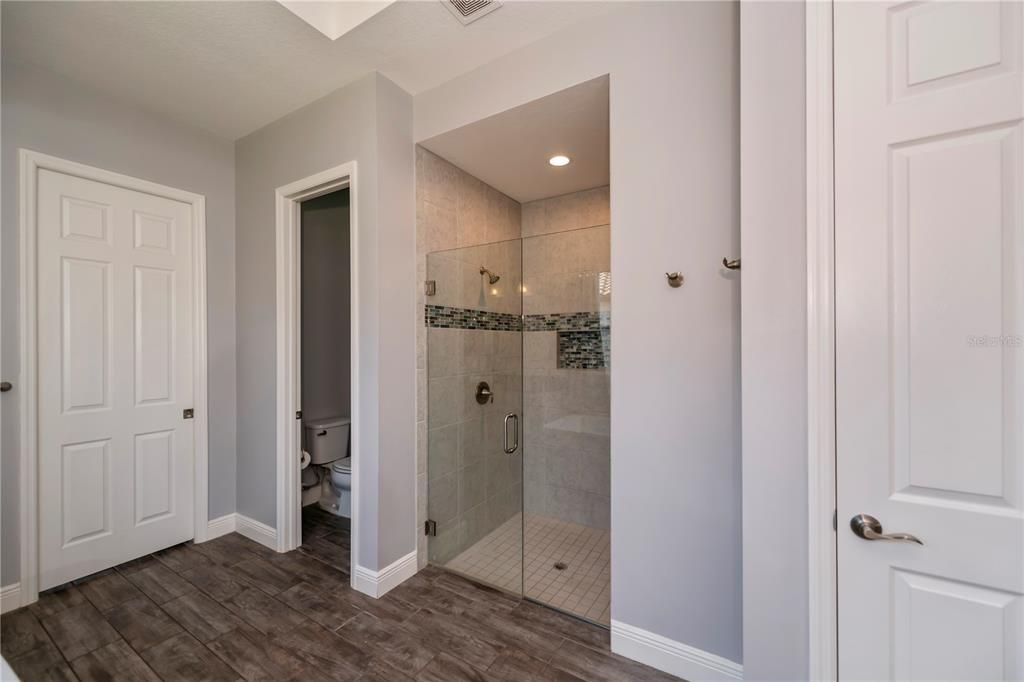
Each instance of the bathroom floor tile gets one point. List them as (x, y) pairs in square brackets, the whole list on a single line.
[(387, 643), (42, 663), (329, 609), (235, 610), (20, 632), (142, 623), (112, 661), (107, 589), (79, 630), (204, 618), (159, 583), (255, 657), (266, 576), (263, 612), (184, 659)]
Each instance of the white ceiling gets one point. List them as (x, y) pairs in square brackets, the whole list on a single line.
[(510, 151), (335, 19), (233, 67)]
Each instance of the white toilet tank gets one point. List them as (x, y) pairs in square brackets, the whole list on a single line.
[(326, 439)]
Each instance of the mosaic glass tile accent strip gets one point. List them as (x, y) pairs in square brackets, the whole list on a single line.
[(560, 322), (589, 349), (447, 317), (470, 318), (584, 338)]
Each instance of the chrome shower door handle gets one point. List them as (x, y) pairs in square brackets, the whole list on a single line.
[(869, 528), (509, 449)]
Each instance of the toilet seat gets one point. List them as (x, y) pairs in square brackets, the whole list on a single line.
[(342, 466)]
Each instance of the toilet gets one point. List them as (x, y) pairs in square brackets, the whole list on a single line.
[(326, 440)]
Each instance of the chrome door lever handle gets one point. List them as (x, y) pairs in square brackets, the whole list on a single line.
[(869, 528)]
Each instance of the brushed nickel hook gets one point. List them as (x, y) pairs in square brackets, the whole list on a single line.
[(675, 279), (733, 264)]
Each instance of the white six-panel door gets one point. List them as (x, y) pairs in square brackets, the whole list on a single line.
[(115, 370), (929, 162)]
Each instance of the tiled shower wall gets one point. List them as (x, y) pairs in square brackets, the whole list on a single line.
[(453, 210), (567, 288), (567, 303)]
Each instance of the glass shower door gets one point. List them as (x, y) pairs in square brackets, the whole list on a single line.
[(474, 412), (567, 454)]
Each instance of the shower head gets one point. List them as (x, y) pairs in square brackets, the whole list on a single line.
[(491, 277)]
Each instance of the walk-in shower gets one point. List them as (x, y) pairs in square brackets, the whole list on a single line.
[(515, 484), (519, 482)]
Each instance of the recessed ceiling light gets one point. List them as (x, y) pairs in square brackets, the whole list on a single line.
[(559, 160)]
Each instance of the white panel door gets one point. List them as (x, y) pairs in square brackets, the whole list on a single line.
[(115, 374), (929, 163)]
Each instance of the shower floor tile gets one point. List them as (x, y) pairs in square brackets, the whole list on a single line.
[(582, 587)]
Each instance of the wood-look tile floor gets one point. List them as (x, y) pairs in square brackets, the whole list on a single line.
[(231, 609)]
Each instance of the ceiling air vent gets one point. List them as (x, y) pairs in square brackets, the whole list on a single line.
[(468, 11)]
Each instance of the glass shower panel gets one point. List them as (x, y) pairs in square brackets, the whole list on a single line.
[(566, 394), (474, 412)]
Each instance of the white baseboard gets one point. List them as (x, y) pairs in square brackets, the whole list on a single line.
[(256, 531), (675, 658), (10, 597), (378, 583), (220, 526), (243, 525)]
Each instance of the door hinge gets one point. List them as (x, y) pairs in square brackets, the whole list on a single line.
[(430, 287), (430, 528), (835, 520), (298, 414), (187, 413)]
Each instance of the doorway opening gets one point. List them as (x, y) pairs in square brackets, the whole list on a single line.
[(326, 374), (317, 367)]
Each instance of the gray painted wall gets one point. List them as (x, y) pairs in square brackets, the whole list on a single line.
[(774, 342), (326, 290), (674, 107), (370, 122), (48, 114)]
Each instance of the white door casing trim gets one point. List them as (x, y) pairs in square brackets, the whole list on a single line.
[(681, 660), (821, 449), (30, 163), (288, 266)]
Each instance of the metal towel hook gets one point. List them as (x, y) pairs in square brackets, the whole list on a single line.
[(733, 264), (675, 279)]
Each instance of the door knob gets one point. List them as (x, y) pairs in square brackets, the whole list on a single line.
[(869, 528), (5, 386)]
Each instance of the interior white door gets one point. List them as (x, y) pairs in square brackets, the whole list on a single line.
[(929, 163), (115, 374)]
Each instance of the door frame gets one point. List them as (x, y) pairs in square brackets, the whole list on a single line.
[(289, 337), (30, 163), (823, 614)]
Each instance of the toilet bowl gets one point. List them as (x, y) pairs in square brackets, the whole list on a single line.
[(326, 440), (341, 480)]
